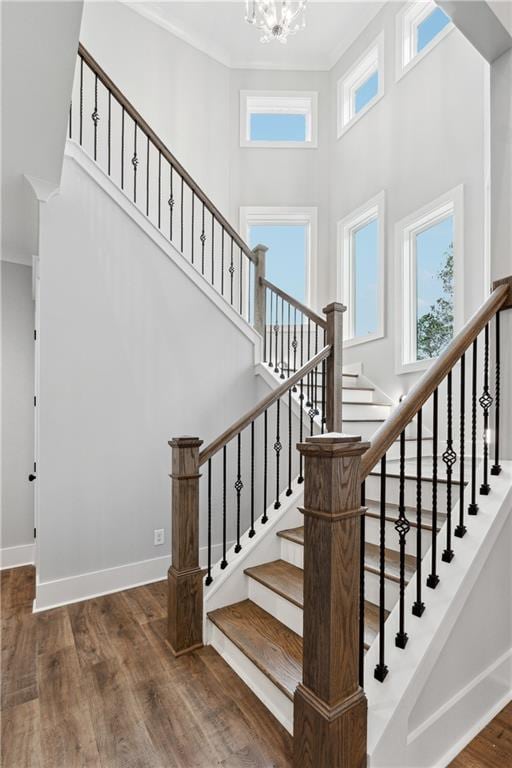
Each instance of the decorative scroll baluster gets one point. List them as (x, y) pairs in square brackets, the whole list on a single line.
[(282, 340), (170, 202), (300, 478), (486, 402), (324, 418), (294, 343), (402, 527), (449, 458), (381, 669), (231, 271), (496, 468), (213, 251), (265, 467), (209, 579), (81, 100), (419, 607), (122, 149), (309, 402), (473, 507), (433, 578), (277, 448), (181, 213), (302, 341), (362, 542), (289, 341), (95, 117), (270, 363), (222, 245), (460, 530), (252, 532), (276, 335), (109, 131), (147, 177), (224, 562), (159, 190), (290, 446), (192, 226), (238, 488), (135, 162), (203, 241), (241, 282)]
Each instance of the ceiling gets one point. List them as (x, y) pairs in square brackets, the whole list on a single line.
[(219, 29)]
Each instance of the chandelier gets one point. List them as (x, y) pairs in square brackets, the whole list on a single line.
[(277, 20)]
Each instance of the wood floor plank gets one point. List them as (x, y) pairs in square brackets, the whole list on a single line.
[(492, 748), (54, 631), (143, 605), (19, 674), (20, 739)]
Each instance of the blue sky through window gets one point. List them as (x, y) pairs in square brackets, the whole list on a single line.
[(277, 127), (431, 247), (365, 257), (285, 264), (430, 27), (366, 92)]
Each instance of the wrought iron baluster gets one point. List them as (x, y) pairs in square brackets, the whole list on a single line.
[(203, 241), (496, 468), (170, 202), (222, 261), (460, 529), (241, 280), (300, 479), (324, 418), (282, 339), (308, 385), (402, 527), (362, 541), (80, 134), (265, 326), (289, 489), (181, 213), (135, 162), (122, 148), (381, 669), (159, 189), (238, 488), (70, 119), (277, 448), (288, 342), (419, 607), (212, 250), (209, 576), (473, 507), (231, 271), (311, 410), (265, 466), (270, 363), (301, 340), (95, 117), (252, 532), (109, 132), (294, 342), (147, 177), (276, 334), (192, 225), (486, 402), (433, 578), (449, 458), (315, 375), (224, 508)]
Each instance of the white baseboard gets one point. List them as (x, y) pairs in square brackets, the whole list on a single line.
[(14, 557), (83, 586)]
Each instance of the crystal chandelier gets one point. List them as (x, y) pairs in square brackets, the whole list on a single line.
[(277, 20)]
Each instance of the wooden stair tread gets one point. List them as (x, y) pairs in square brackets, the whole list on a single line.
[(269, 644), (287, 581), (424, 478), (373, 510), (371, 560)]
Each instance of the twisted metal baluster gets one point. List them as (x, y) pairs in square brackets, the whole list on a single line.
[(402, 527), (241, 281), (276, 334), (433, 578), (203, 241), (181, 213), (277, 448), (147, 177), (270, 363), (449, 458), (122, 149), (473, 507), (231, 271), (213, 250), (209, 579), (282, 340), (460, 530), (300, 478), (95, 117), (135, 162), (294, 343), (192, 226), (252, 532), (222, 262), (289, 341), (324, 418), (159, 189), (381, 669), (224, 509), (496, 468), (419, 607), (361, 585), (486, 402), (81, 100), (109, 131), (238, 488), (265, 466), (289, 489), (170, 202)]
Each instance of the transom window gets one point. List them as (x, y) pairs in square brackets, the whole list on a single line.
[(361, 87), (361, 246), (278, 119), (420, 26), (430, 244)]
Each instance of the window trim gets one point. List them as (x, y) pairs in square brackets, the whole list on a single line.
[(289, 215), (451, 203), (370, 61), (373, 208), (407, 22), (279, 102)]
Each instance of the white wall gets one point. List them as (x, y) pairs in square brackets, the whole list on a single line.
[(17, 405), (423, 138), (132, 354)]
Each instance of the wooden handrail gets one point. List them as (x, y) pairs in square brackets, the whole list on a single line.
[(160, 146), (423, 389), (297, 304), (262, 406)]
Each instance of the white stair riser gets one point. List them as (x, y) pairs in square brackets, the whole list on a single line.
[(363, 429), (292, 553), (372, 590), (358, 395), (393, 487), (393, 453), (271, 696), (372, 536), (279, 607), (365, 411)]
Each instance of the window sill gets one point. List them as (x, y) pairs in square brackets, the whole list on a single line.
[(358, 340), (419, 365), (344, 128), (402, 70), (247, 143)]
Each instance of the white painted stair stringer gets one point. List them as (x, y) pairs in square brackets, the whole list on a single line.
[(395, 737)]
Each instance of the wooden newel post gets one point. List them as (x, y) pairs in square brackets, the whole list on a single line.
[(334, 373), (259, 290), (330, 708), (185, 577)]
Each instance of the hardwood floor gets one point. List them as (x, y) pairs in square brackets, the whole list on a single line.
[(492, 748), (94, 685)]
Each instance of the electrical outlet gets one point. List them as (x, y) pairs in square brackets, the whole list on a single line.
[(158, 536)]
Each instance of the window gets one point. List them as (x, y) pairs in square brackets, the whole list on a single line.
[(361, 87), (360, 271), (290, 236), (278, 119), (420, 26), (430, 245)]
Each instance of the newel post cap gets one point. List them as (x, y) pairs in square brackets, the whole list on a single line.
[(333, 444), (334, 306), (185, 442)]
